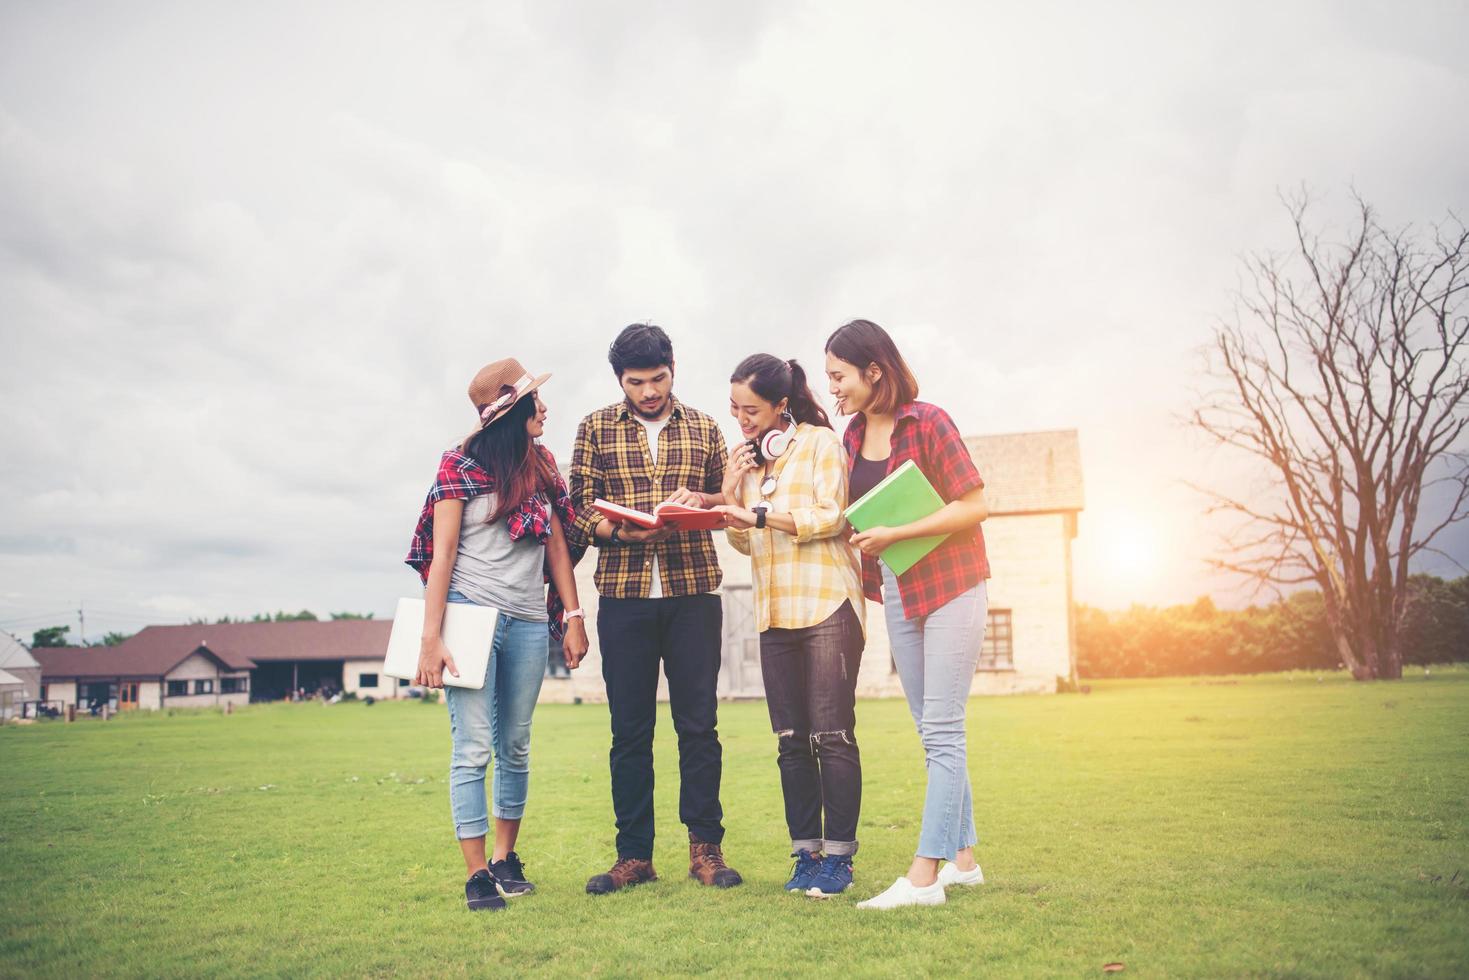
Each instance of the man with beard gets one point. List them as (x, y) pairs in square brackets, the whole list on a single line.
[(658, 601)]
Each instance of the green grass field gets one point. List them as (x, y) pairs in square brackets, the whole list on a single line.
[(1278, 826)]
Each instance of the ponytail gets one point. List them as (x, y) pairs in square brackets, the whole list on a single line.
[(804, 407), (773, 380)]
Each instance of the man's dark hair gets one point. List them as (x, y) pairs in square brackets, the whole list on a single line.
[(640, 345)]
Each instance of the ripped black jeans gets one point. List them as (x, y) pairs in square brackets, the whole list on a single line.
[(810, 689)]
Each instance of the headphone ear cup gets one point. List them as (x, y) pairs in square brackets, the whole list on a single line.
[(774, 443)]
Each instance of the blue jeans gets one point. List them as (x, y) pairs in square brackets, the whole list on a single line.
[(496, 717), (936, 656)]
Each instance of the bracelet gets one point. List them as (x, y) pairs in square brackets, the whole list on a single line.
[(571, 614), (614, 537)]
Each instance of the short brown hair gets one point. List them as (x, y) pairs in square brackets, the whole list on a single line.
[(864, 343)]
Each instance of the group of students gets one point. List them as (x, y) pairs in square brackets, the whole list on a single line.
[(499, 525)]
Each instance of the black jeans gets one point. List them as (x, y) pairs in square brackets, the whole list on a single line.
[(810, 688), (684, 633)]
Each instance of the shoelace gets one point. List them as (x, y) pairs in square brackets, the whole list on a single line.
[(515, 866), (832, 862), (806, 862), (624, 864), (712, 854)]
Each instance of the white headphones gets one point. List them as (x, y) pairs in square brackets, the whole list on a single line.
[(775, 443)]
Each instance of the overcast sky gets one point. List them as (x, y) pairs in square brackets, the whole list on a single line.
[(251, 254)]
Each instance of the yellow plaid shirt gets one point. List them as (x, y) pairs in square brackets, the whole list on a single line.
[(802, 580), (610, 460)]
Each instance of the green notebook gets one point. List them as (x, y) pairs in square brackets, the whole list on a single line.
[(903, 497)]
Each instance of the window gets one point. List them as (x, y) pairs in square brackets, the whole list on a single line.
[(43, 692), (204, 687), (402, 682), (177, 689), (367, 680), (233, 685), (998, 651)]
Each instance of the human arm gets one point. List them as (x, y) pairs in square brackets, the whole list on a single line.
[(563, 579), (433, 656), (945, 460)]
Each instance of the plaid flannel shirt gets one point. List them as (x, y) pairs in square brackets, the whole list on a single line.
[(460, 478), (802, 579), (927, 435), (610, 460)]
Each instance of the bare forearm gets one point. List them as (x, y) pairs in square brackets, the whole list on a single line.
[(436, 597), (957, 515), (563, 579)]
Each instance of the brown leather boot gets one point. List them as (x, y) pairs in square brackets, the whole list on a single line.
[(626, 872), (706, 865)]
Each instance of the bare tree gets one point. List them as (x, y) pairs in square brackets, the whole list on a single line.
[(1344, 371)]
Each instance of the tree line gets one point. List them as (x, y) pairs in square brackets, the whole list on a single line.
[(1293, 633)]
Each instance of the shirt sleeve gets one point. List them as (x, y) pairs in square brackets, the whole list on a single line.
[(946, 459), (739, 539), (823, 518), (587, 483), (715, 461)]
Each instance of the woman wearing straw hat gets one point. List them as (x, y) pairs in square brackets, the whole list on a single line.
[(490, 533)]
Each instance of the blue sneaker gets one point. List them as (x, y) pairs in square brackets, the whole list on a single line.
[(804, 871), (833, 877)]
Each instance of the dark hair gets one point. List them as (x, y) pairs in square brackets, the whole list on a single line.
[(863, 343), (640, 345), (773, 379), (507, 453)]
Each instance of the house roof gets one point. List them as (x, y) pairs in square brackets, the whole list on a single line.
[(156, 650), (8, 679), (1029, 472), (13, 653), (82, 662)]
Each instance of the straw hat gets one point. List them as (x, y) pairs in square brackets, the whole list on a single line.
[(496, 389)]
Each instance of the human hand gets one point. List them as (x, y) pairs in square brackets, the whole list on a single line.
[(574, 643), (741, 461), (433, 658), (685, 497), (737, 517), (875, 540), (644, 535)]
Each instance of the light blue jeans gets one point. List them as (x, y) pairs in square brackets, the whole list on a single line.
[(496, 718), (936, 656)]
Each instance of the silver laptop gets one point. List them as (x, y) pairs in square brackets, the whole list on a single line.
[(468, 632)]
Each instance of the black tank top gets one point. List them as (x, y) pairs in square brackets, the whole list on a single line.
[(867, 474)]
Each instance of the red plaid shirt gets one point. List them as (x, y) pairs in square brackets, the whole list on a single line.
[(925, 434), (460, 478)]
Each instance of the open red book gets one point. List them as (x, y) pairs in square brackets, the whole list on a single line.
[(677, 516)]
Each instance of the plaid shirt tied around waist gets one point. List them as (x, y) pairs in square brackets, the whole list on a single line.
[(927, 435), (610, 460)]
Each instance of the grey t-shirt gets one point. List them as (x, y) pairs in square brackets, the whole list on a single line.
[(492, 570)]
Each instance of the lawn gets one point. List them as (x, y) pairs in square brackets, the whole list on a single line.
[(1279, 826)]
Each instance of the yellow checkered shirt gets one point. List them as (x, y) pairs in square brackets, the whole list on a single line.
[(802, 580)]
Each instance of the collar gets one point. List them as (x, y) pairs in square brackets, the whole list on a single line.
[(625, 412), (907, 410)]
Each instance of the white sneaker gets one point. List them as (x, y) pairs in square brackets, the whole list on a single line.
[(950, 874), (904, 892)]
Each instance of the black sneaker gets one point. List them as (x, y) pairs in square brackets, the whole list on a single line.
[(510, 876), (480, 892)]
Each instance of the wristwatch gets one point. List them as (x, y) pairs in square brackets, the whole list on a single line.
[(614, 536), (760, 510)]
